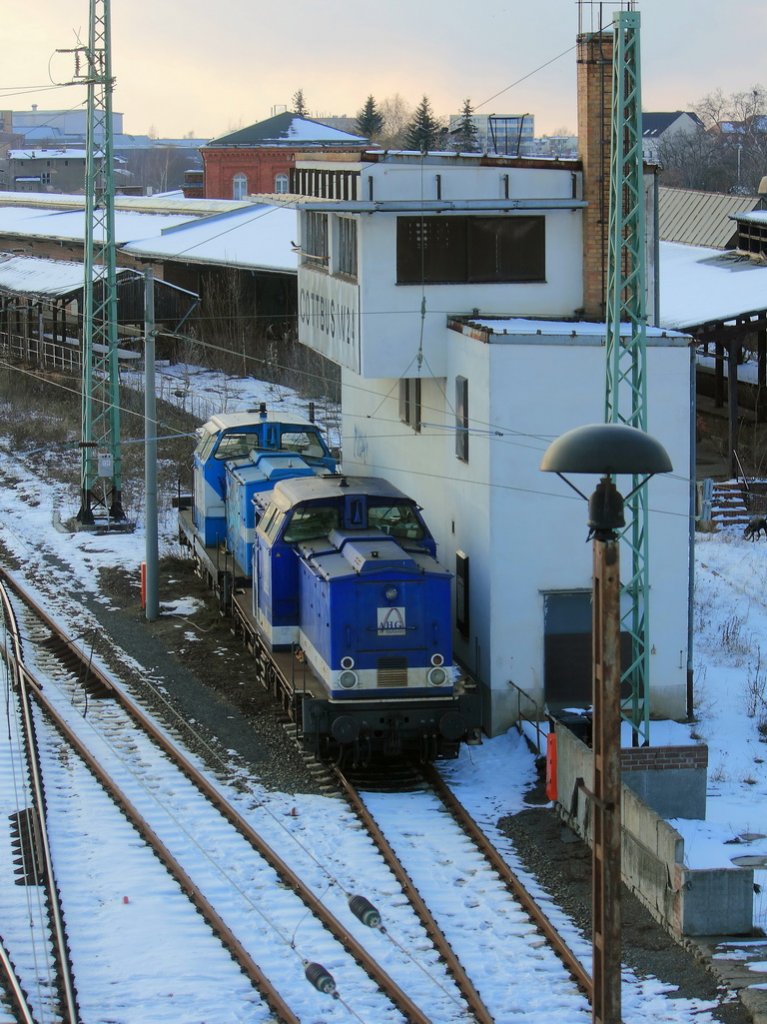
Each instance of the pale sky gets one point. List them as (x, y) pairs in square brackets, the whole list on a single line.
[(209, 68)]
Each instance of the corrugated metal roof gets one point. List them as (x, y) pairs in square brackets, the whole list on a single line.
[(701, 218)]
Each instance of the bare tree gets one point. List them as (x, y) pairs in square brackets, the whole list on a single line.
[(396, 114), (729, 153)]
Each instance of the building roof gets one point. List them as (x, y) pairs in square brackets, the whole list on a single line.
[(166, 202), (48, 154), (288, 130), (693, 217), (700, 285), (30, 275), (258, 237), (69, 225), (655, 123)]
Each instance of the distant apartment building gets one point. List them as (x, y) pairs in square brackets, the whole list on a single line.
[(505, 134), (52, 126), (46, 170)]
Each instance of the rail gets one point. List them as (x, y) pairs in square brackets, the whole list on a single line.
[(15, 656), (514, 884), (93, 676)]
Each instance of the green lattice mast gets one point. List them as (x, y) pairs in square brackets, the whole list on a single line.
[(100, 381), (626, 378)]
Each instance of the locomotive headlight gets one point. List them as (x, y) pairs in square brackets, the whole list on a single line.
[(437, 659), (437, 676), (348, 679), (347, 662), (391, 593)]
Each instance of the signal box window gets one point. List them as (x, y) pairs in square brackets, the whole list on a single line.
[(314, 240), (347, 246), (470, 250)]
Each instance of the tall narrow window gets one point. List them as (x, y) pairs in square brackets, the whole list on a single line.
[(239, 186), (347, 246), (410, 401), (314, 240), (462, 593), (462, 418), (281, 183)]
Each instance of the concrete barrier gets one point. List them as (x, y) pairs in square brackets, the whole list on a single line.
[(687, 901)]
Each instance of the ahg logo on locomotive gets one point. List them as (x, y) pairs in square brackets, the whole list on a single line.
[(391, 622)]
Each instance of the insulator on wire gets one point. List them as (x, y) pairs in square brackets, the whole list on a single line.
[(322, 980), (362, 908)]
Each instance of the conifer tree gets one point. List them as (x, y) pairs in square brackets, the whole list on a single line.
[(299, 104), (424, 132), (370, 120), (464, 137)]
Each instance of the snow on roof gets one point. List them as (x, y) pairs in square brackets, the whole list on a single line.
[(258, 236), (48, 154), (287, 129), (751, 216), (161, 202), (699, 285), (69, 225), (33, 276), (577, 332)]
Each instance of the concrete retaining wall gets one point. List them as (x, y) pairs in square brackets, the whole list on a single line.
[(687, 901)]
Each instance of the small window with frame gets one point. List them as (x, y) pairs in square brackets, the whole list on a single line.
[(410, 402), (462, 419)]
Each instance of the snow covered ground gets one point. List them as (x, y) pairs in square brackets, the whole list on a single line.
[(731, 685)]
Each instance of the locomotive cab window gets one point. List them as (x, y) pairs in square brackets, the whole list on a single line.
[(205, 446), (272, 523), (398, 520), (311, 523), (306, 442), (235, 446)]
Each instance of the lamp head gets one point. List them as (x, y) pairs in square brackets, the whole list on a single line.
[(606, 449)]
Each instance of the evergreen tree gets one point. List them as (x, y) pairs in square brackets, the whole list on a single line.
[(299, 104), (464, 136), (370, 120), (424, 132)]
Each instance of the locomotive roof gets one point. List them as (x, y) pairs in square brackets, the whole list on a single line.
[(288, 493), (251, 417)]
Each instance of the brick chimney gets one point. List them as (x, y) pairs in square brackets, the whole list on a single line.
[(595, 60)]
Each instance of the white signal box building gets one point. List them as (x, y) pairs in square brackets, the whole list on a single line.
[(454, 292)]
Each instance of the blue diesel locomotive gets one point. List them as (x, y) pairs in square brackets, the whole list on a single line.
[(334, 585)]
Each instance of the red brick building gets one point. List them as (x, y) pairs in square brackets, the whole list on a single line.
[(260, 158)]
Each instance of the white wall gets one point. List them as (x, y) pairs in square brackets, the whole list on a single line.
[(525, 531), (391, 325)]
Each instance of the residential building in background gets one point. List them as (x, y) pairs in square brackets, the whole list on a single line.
[(259, 158), (143, 165), (659, 127)]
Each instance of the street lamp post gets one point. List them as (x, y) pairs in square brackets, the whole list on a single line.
[(606, 449)]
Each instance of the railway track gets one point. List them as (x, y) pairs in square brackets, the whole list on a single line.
[(433, 816), (100, 721)]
